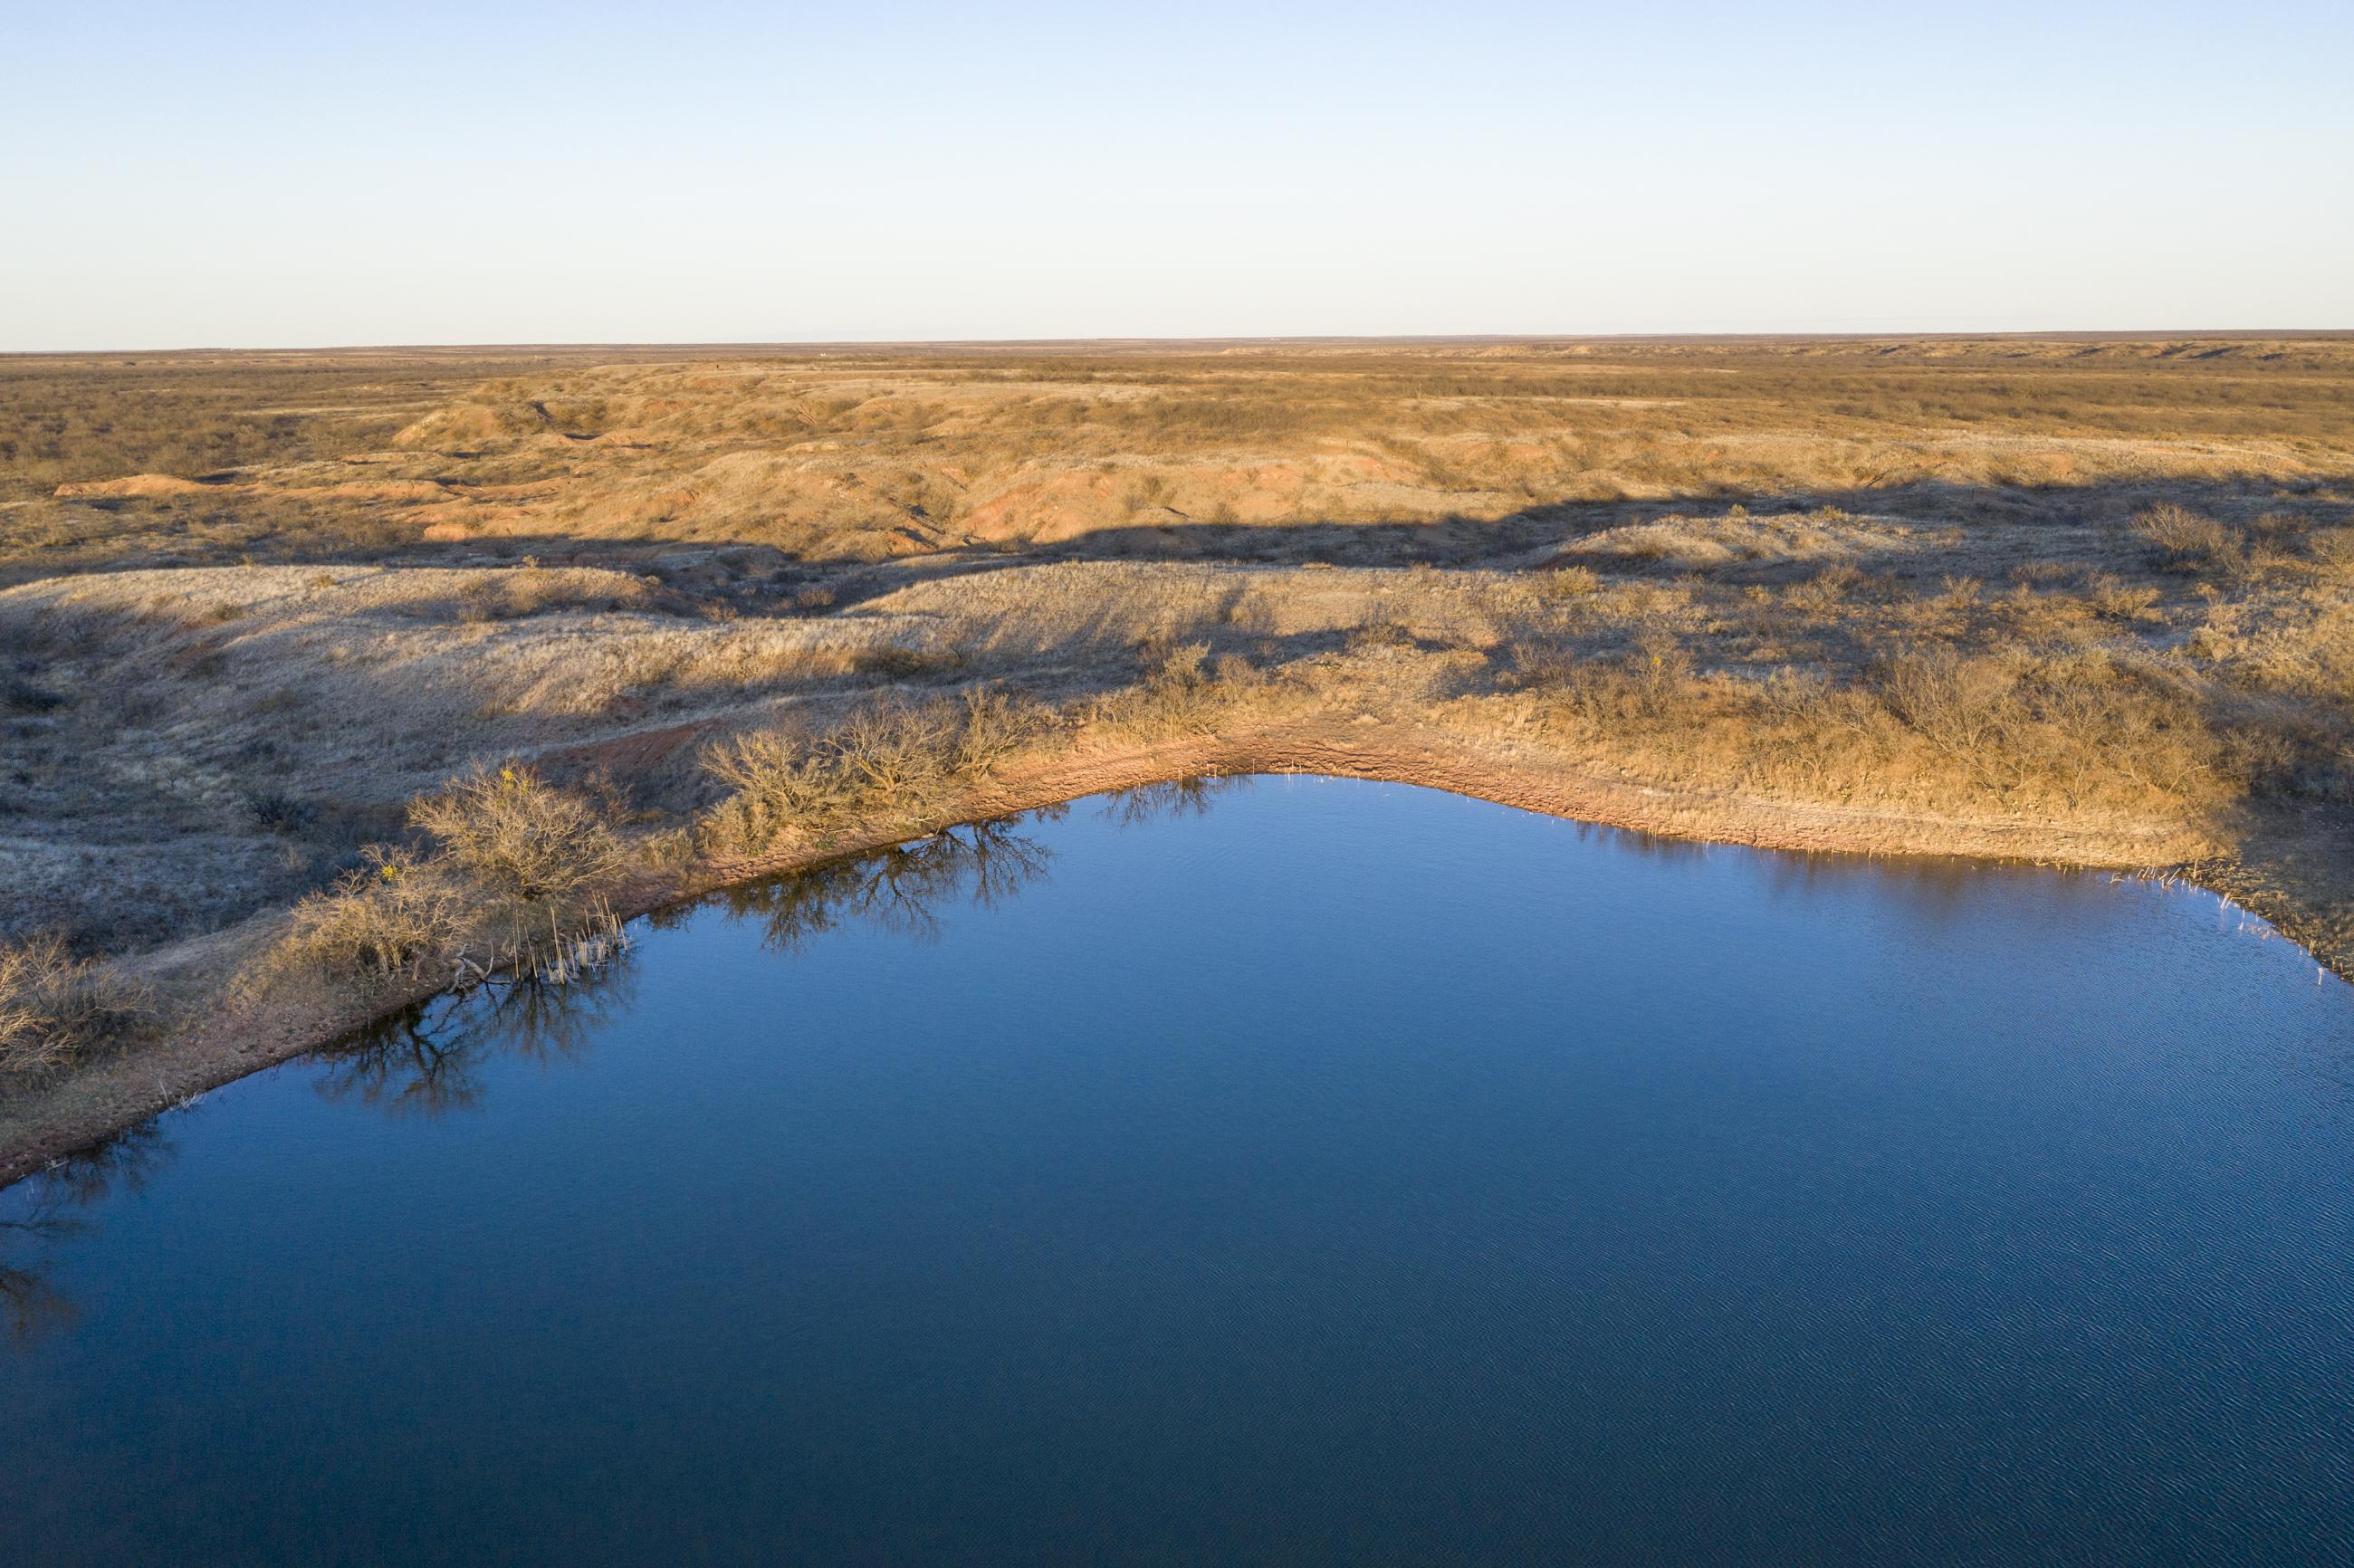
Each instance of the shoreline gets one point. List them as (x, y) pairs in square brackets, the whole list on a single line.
[(113, 1096)]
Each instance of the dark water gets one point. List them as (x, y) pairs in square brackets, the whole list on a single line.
[(1340, 1174)]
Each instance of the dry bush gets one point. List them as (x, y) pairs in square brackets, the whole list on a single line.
[(520, 836), (2114, 598), (379, 924), (55, 1007), (894, 663), (1180, 693), (1823, 593), (1928, 727), (2082, 729), (778, 785), (997, 721), (1570, 582), (1595, 694), (1379, 634), (894, 761), (2185, 541), (2048, 617)]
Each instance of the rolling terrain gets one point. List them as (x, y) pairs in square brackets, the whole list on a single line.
[(301, 648)]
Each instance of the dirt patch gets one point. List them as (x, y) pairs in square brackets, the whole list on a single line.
[(143, 485)]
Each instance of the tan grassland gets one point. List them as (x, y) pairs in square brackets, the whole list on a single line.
[(329, 680)]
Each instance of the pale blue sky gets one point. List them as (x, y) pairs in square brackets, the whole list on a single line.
[(266, 173)]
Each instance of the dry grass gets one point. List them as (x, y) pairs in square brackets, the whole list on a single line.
[(1440, 452)]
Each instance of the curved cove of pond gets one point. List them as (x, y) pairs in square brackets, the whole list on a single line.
[(1286, 1171)]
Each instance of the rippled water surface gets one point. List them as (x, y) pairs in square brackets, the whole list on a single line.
[(1297, 1172)]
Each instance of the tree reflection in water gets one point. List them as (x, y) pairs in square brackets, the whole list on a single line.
[(1177, 797), (429, 1059), (901, 889), (43, 1208)]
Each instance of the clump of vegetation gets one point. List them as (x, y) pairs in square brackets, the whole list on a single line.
[(277, 812), (2114, 598), (894, 663), (55, 1007), (520, 836), (895, 762), (1570, 582), (1650, 679), (517, 873), (20, 696), (2185, 541), (1378, 634), (1928, 726), (1182, 692), (377, 924)]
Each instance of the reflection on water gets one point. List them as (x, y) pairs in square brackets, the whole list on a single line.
[(1177, 797), (46, 1208), (902, 890), (430, 1060), (905, 890), (1357, 1174), (427, 1060)]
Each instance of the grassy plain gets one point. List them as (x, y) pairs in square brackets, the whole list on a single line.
[(317, 669)]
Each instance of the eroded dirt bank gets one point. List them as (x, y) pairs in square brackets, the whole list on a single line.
[(111, 1095)]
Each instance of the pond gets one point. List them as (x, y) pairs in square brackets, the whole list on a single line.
[(1295, 1170)]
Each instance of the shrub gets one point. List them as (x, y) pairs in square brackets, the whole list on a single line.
[(520, 836), (1375, 635), (1178, 694), (2115, 600), (1957, 703), (1570, 582), (996, 724), (55, 1007), (24, 697), (894, 760), (1651, 680), (379, 923), (894, 663), (2332, 549), (276, 811), (1823, 593), (2088, 728), (2184, 541)]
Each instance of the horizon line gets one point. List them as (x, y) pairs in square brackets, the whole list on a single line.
[(753, 345)]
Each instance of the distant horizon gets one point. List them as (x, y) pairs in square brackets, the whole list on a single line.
[(757, 345)]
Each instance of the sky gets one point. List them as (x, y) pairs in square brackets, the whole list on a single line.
[(266, 175)]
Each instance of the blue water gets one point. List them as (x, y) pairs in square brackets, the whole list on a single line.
[(1295, 1172)]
